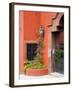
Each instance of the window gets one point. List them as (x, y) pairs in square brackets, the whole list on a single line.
[(31, 51)]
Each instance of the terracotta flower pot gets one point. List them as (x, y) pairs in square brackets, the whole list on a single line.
[(37, 72)]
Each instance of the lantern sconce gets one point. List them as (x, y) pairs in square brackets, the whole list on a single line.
[(41, 31)]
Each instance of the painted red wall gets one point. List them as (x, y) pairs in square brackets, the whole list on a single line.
[(31, 25), (21, 42), (46, 19), (31, 22)]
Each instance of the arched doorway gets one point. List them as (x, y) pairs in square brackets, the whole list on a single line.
[(58, 47), (56, 44)]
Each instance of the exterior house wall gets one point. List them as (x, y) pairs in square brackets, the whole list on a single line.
[(46, 19), (29, 25), (21, 42)]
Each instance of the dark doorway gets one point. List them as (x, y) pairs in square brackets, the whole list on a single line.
[(58, 47)]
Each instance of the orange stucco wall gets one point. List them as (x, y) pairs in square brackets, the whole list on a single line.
[(30, 23), (21, 42), (46, 19)]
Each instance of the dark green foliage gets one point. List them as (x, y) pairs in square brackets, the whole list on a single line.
[(58, 55)]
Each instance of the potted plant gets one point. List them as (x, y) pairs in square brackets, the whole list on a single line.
[(36, 67)]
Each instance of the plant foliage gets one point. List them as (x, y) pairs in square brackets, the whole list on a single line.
[(58, 55)]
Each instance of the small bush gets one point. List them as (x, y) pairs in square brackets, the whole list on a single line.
[(58, 55)]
